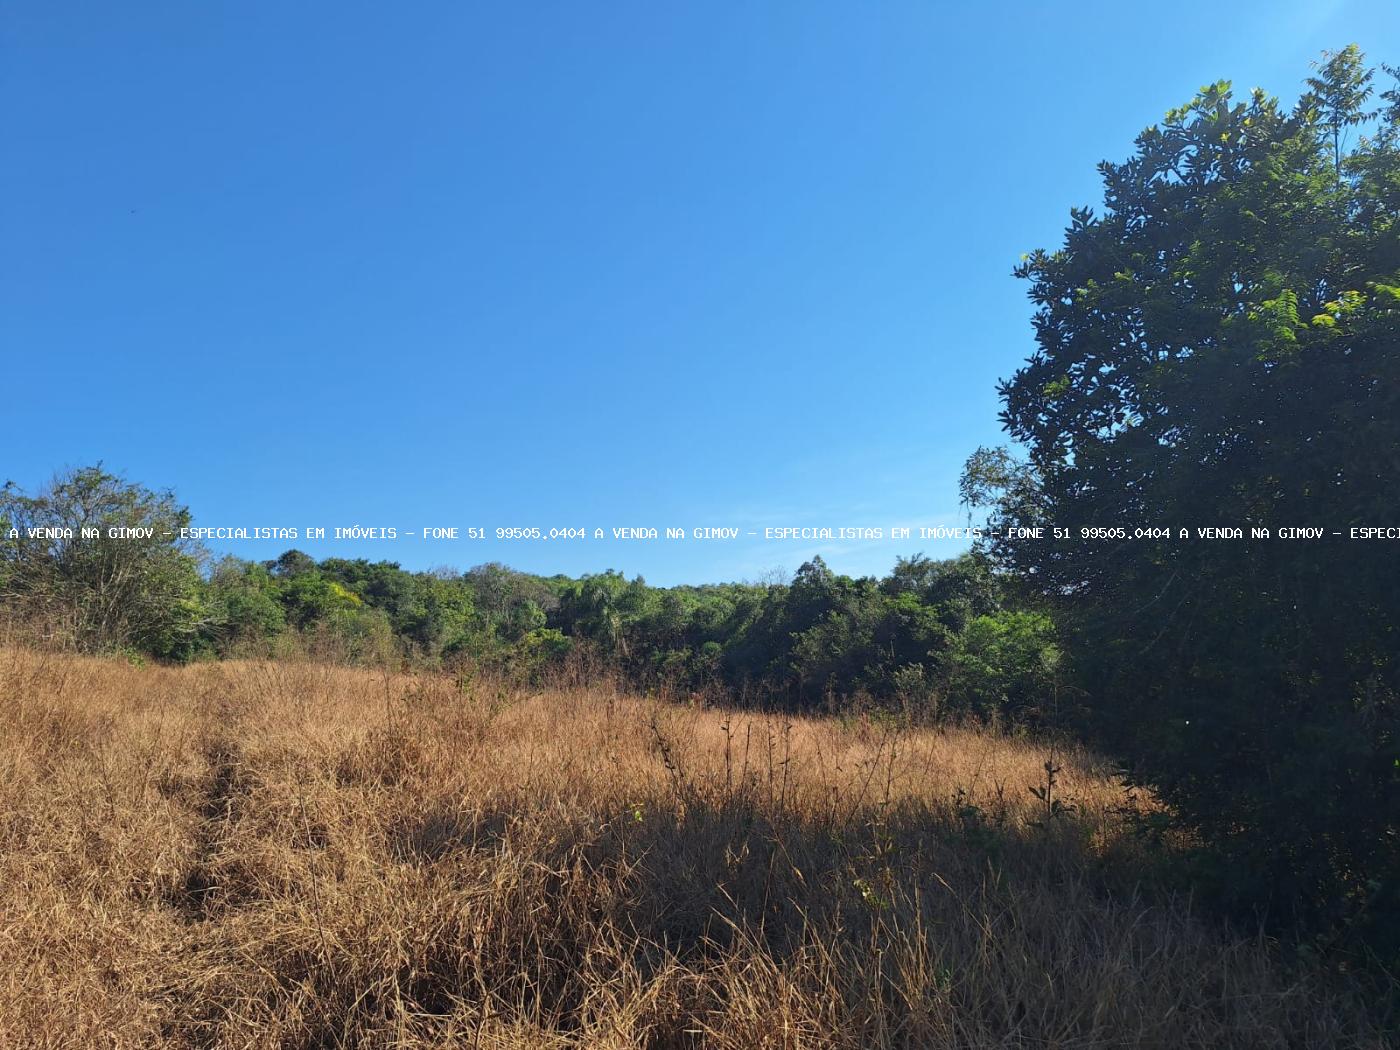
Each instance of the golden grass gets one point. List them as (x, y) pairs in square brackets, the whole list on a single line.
[(293, 855)]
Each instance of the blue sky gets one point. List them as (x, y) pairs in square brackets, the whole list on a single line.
[(563, 264)]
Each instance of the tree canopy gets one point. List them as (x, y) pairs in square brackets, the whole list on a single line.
[(1218, 346)]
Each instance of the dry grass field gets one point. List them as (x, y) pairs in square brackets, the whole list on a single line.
[(294, 855)]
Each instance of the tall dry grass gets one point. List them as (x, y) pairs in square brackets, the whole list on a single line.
[(292, 855)]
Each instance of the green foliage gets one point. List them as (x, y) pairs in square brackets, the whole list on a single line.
[(243, 604), (1219, 347), (310, 597), (110, 590), (1004, 665)]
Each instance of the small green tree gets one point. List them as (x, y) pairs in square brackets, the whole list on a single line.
[(102, 563)]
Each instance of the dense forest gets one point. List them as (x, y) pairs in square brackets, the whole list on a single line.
[(1217, 345)]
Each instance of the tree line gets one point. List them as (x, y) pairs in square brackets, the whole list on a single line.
[(932, 637)]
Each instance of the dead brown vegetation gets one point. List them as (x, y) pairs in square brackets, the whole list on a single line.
[(287, 854)]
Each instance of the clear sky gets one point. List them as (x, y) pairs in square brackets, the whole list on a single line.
[(564, 264)]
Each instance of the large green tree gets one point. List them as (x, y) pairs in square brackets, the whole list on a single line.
[(1220, 346)]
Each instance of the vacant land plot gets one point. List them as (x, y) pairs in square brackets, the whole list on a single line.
[(259, 855)]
